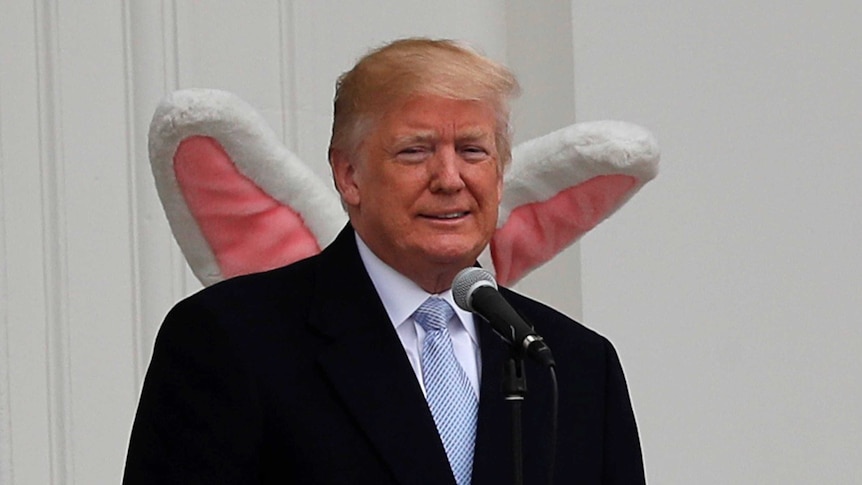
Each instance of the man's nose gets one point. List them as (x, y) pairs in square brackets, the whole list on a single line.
[(446, 171)]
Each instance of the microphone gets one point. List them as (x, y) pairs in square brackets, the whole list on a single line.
[(475, 290)]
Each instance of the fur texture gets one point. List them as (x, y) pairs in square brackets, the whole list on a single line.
[(258, 206)]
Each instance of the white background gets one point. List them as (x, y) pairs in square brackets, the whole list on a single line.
[(731, 285)]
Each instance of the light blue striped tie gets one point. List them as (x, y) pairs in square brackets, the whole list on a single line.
[(450, 395)]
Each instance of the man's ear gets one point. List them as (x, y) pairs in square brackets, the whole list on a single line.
[(343, 174)]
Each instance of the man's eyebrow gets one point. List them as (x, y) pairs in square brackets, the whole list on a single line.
[(473, 134), (415, 137), (426, 136)]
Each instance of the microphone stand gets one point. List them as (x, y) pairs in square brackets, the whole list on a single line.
[(514, 390)]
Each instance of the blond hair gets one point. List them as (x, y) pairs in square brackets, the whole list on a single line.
[(387, 76)]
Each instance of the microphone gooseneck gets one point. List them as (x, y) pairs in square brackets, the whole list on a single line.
[(475, 290)]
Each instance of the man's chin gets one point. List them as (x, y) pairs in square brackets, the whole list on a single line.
[(459, 256)]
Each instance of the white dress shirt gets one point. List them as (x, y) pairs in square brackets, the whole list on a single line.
[(401, 297)]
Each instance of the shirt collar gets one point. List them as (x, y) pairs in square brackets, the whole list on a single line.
[(400, 295)]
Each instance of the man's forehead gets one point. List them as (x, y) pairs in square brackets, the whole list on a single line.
[(425, 133)]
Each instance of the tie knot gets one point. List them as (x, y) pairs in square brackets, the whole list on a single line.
[(434, 314)]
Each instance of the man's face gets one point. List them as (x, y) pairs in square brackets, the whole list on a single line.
[(424, 189)]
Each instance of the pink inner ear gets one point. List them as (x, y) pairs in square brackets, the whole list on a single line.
[(536, 232), (246, 229)]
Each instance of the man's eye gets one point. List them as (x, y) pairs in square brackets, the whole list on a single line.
[(413, 154), (474, 153)]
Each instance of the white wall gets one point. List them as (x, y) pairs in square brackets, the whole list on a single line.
[(67, 268), (732, 284)]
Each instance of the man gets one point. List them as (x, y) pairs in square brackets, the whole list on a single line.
[(331, 370)]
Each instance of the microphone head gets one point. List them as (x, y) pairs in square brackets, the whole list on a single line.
[(466, 282)]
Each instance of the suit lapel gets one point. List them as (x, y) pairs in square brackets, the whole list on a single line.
[(369, 370)]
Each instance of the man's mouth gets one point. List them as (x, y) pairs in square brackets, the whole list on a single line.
[(447, 216)]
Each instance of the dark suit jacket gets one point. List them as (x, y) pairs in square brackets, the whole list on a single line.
[(297, 376)]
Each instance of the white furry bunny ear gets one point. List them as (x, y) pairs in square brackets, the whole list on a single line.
[(562, 185), (237, 200)]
